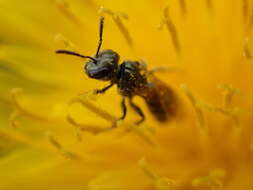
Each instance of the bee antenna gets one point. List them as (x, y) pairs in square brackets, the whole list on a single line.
[(76, 54), (101, 28)]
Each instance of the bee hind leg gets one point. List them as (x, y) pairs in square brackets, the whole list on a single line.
[(138, 110)]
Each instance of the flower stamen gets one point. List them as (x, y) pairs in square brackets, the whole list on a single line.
[(213, 180), (13, 118), (209, 4), (198, 110), (117, 18), (183, 7), (230, 112), (245, 10), (64, 8), (167, 21), (140, 131), (87, 104), (21, 110), (246, 52), (82, 127), (67, 43), (229, 92), (160, 182), (58, 146)]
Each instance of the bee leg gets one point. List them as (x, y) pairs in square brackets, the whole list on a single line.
[(138, 110), (124, 109), (103, 90)]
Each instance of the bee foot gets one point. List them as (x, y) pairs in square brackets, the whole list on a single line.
[(117, 123)]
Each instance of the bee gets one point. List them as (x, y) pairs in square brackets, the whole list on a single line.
[(132, 79)]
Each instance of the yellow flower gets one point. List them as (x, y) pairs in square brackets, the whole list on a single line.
[(51, 137)]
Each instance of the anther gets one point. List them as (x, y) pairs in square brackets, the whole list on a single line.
[(64, 7), (246, 51), (229, 112), (167, 21), (245, 10), (213, 180), (160, 182), (13, 118), (249, 24), (195, 104), (67, 43), (209, 4), (140, 131), (87, 104), (59, 147), (15, 93), (83, 127), (229, 93), (183, 7), (117, 18)]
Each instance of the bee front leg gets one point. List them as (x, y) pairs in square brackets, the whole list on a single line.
[(103, 90), (138, 110)]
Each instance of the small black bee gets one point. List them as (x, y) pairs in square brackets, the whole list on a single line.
[(132, 79)]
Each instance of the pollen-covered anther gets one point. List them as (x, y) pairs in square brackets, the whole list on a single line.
[(84, 127), (19, 109), (67, 43), (209, 4), (59, 147), (249, 24), (93, 108), (13, 119), (228, 93), (142, 131), (246, 51), (229, 112), (245, 10), (159, 182), (214, 180), (117, 18), (183, 6), (65, 9), (195, 103), (167, 21)]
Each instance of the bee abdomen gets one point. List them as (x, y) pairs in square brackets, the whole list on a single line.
[(162, 103), (157, 110)]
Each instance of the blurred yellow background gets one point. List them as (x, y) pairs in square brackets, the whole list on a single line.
[(209, 147)]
